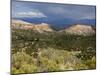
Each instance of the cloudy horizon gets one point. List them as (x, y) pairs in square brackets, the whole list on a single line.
[(53, 13)]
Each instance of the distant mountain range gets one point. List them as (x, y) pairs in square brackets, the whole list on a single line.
[(77, 29), (58, 24)]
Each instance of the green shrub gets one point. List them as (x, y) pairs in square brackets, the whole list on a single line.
[(59, 51)]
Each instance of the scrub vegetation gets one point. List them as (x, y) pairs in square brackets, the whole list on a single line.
[(51, 51)]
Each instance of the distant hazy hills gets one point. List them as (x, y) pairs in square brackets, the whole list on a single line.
[(77, 29)]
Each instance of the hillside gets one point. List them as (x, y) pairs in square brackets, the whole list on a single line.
[(36, 51), (18, 24), (79, 29)]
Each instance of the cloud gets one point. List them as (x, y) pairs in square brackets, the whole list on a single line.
[(54, 11), (73, 11), (29, 14)]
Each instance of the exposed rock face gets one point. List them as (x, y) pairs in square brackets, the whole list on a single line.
[(77, 29), (80, 29), (42, 27), (18, 24)]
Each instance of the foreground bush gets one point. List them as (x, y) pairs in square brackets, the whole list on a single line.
[(50, 60), (59, 52)]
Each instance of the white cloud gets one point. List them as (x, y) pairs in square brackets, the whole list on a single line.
[(35, 14)]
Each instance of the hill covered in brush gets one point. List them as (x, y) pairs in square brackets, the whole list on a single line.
[(39, 48)]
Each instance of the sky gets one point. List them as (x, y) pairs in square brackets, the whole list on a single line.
[(52, 12)]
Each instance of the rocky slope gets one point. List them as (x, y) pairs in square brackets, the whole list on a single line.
[(79, 29), (18, 24)]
